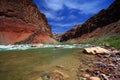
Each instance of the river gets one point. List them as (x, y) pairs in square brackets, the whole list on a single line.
[(30, 63)]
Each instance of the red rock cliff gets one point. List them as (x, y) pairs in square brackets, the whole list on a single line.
[(21, 21)]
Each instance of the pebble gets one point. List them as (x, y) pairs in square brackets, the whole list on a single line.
[(54, 75), (60, 66), (83, 79), (64, 75), (46, 75), (94, 78), (86, 75)]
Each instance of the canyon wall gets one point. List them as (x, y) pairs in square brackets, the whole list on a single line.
[(22, 22), (98, 21)]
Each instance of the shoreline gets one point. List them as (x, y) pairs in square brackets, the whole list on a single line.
[(104, 67)]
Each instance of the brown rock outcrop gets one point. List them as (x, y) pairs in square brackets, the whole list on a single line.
[(100, 20), (95, 50), (21, 20)]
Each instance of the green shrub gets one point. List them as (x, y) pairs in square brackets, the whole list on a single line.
[(112, 41)]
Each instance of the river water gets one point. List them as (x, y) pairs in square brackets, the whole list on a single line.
[(34, 46), (23, 62)]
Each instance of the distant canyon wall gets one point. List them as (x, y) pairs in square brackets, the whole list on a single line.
[(103, 22)]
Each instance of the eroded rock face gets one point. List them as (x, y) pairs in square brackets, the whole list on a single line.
[(100, 20), (21, 19)]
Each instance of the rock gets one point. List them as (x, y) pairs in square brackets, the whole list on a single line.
[(112, 49), (96, 25), (94, 78), (58, 46), (106, 68), (39, 78), (56, 36), (86, 75), (83, 79), (100, 64), (46, 75), (23, 23), (37, 45), (107, 45), (60, 66), (104, 77), (95, 50), (58, 75), (82, 70)]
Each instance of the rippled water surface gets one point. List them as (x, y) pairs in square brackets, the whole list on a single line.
[(25, 62)]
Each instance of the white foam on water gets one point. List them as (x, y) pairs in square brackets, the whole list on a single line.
[(30, 46)]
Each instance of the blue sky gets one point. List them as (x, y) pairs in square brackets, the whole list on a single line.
[(62, 15)]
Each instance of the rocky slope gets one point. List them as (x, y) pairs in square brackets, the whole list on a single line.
[(96, 24), (56, 36), (21, 21)]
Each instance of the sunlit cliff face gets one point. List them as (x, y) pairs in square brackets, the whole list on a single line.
[(22, 22)]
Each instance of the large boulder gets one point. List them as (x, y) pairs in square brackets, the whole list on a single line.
[(95, 50)]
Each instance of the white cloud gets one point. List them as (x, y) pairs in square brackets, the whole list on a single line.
[(86, 7), (54, 4), (63, 25), (92, 7), (49, 15), (53, 16), (71, 17)]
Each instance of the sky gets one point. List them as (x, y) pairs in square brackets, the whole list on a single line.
[(62, 15)]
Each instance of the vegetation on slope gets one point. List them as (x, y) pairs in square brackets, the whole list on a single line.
[(112, 41)]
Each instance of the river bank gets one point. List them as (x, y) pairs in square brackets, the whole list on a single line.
[(105, 67)]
